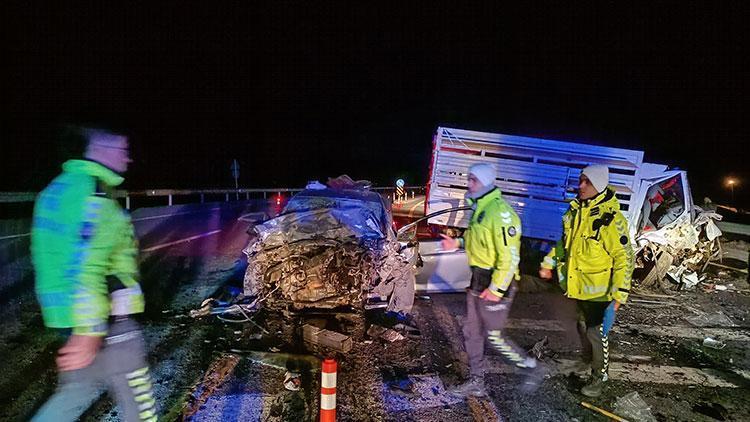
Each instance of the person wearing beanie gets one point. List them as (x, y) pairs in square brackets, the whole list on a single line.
[(492, 242), (594, 261)]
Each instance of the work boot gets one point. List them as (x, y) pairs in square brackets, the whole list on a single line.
[(473, 387), (594, 387)]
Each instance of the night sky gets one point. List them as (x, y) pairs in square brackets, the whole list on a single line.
[(297, 92)]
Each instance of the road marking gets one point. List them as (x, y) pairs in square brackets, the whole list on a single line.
[(154, 217), (177, 242), (414, 208), (14, 236), (630, 372)]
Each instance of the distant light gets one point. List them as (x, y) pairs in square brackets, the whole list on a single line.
[(731, 181)]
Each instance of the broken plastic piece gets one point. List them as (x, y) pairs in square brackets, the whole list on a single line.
[(539, 348), (603, 412), (384, 333), (713, 343), (716, 319), (292, 381), (633, 407)]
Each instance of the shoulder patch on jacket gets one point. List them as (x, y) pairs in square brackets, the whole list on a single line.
[(603, 221), (624, 240), (480, 217), (511, 231)]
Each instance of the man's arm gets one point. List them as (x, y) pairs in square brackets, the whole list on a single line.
[(507, 239), (125, 292), (617, 243)]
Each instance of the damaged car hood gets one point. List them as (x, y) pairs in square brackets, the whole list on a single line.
[(326, 250)]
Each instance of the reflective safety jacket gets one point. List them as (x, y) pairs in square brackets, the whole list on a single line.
[(493, 240), (594, 258), (84, 251)]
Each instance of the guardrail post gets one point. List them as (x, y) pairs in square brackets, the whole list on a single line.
[(247, 196), (264, 194), (226, 198), (170, 199), (202, 198), (127, 202)]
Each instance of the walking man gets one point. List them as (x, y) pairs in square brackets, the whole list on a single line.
[(85, 257), (594, 261), (492, 243)]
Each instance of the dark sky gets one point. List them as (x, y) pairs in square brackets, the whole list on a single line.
[(296, 93)]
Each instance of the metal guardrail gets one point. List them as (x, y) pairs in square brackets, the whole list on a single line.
[(17, 197), (25, 197)]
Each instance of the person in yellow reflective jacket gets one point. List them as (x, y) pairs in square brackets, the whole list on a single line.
[(594, 261), (85, 257), (493, 245)]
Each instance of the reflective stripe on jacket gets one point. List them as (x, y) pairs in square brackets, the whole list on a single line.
[(594, 258), (493, 240)]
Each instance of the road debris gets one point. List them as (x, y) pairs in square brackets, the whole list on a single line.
[(632, 406), (483, 410), (283, 361), (678, 250), (713, 343), (292, 381), (716, 319), (601, 411), (389, 334), (404, 385), (214, 377), (326, 338), (539, 348)]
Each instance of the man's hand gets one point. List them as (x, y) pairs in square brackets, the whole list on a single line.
[(617, 306), (488, 295), (78, 352), (545, 273), (448, 243)]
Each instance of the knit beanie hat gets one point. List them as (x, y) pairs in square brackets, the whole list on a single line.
[(485, 173), (598, 175)]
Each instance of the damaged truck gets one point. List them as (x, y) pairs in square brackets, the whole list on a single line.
[(539, 177)]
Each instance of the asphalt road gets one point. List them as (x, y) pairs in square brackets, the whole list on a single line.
[(221, 371)]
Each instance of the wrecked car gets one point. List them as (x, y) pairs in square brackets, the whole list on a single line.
[(331, 248)]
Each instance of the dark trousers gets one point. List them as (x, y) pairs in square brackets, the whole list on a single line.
[(484, 321), (594, 321), (120, 367)]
